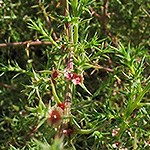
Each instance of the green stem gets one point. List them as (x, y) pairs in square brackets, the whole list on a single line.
[(71, 34), (76, 33), (131, 108), (56, 98), (53, 42), (88, 131), (85, 131), (74, 4), (132, 69)]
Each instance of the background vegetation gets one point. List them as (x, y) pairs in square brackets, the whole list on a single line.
[(110, 44)]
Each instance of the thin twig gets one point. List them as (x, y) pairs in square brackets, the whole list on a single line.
[(103, 20), (8, 86), (47, 19), (68, 96), (25, 43), (66, 11)]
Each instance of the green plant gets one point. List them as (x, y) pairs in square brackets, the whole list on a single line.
[(84, 91)]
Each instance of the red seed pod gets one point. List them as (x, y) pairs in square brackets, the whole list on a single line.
[(23, 113), (55, 74), (68, 131), (55, 116)]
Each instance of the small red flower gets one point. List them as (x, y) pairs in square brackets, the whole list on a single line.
[(77, 79), (116, 144), (147, 143), (61, 105), (68, 75), (55, 116), (115, 131)]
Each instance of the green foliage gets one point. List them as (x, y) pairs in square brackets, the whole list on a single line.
[(108, 82)]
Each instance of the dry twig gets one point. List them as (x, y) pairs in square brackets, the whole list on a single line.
[(25, 43)]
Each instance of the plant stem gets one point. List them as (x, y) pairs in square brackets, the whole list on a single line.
[(76, 33), (56, 98), (25, 43), (131, 108)]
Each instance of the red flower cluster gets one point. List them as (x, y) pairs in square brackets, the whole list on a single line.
[(55, 116), (75, 78)]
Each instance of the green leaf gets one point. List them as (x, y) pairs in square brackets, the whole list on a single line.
[(84, 87)]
